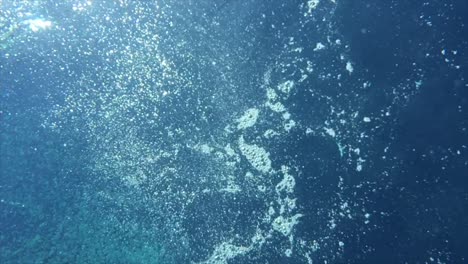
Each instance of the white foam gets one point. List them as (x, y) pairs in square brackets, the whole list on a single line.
[(204, 148), (287, 205), (310, 67), (289, 125), (286, 87), (229, 150), (359, 163), (319, 46), (257, 156), (271, 211), (276, 107), (270, 133), (312, 4), (288, 182), (285, 225), (258, 239), (330, 131), (38, 24), (418, 83), (349, 67), (248, 119), (226, 251), (271, 94)]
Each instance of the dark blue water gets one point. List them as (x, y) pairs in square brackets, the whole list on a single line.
[(233, 132)]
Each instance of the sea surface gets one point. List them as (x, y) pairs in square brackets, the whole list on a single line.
[(233, 132)]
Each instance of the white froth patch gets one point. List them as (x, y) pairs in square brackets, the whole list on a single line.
[(357, 151), (349, 67), (248, 119), (367, 216), (315, 246), (205, 148), (289, 125), (285, 225), (288, 182), (272, 98), (271, 95), (271, 211), (257, 156), (330, 131), (341, 148), (286, 87), (418, 83), (310, 67), (359, 163), (258, 239), (229, 150), (226, 251), (287, 205), (38, 24), (270, 133), (319, 46), (311, 5), (276, 107)]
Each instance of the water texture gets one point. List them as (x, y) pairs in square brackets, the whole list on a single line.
[(228, 131)]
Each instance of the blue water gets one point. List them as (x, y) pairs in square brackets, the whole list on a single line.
[(233, 131)]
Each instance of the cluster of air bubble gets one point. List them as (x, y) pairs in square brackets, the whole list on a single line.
[(166, 114), (180, 119)]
